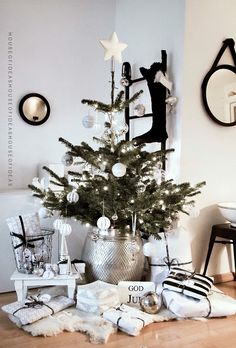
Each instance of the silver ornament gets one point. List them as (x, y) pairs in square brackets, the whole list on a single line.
[(114, 217), (124, 82), (141, 188), (67, 159), (88, 121), (94, 236), (140, 110), (150, 302)]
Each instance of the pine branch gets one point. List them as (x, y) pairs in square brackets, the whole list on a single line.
[(68, 145), (38, 193), (126, 103), (97, 105), (61, 181)]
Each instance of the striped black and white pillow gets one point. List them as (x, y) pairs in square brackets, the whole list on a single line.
[(189, 283)]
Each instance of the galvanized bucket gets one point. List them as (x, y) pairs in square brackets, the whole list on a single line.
[(113, 257)]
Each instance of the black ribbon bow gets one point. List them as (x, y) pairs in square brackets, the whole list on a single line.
[(23, 238), (33, 302)]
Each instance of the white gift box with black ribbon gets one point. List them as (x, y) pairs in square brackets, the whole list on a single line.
[(173, 249), (191, 284), (216, 304)]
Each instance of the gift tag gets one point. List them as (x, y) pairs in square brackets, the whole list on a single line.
[(131, 292)]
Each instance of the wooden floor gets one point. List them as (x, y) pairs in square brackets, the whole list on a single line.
[(213, 333)]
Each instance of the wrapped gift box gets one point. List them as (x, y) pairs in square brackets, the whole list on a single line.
[(97, 297), (216, 304)]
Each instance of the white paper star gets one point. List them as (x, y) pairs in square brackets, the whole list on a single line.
[(113, 48)]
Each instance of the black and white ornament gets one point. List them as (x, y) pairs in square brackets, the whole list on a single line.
[(88, 121), (67, 159), (72, 197), (119, 170)]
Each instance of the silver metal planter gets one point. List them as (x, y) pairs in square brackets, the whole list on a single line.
[(113, 257)]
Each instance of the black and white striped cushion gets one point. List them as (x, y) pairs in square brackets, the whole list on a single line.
[(189, 283)]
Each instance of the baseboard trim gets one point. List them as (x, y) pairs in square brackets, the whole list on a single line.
[(223, 278)]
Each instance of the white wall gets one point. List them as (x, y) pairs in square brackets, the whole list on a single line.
[(56, 52), (207, 149), (149, 27)]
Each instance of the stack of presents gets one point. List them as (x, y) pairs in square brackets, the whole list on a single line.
[(99, 309)]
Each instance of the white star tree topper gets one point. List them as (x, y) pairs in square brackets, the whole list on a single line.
[(113, 48)]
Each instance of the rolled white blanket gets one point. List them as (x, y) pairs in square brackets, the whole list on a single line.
[(97, 297)]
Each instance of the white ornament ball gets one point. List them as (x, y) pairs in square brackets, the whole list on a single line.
[(139, 110), (88, 121), (57, 224), (103, 223), (67, 159), (44, 213), (72, 197), (65, 229), (149, 249), (119, 170)]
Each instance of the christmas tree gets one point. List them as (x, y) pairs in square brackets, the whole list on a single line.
[(117, 185)]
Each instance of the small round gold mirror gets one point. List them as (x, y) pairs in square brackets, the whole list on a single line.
[(34, 109)]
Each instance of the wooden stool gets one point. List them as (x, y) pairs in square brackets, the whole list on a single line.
[(22, 281), (224, 231)]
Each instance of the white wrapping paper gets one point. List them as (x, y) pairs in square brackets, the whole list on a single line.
[(217, 304), (179, 249), (25, 316), (128, 319)]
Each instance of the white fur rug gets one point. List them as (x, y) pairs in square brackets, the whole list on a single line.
[(71, 319)]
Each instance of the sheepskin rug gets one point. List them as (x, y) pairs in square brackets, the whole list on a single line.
[(72, 320)]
